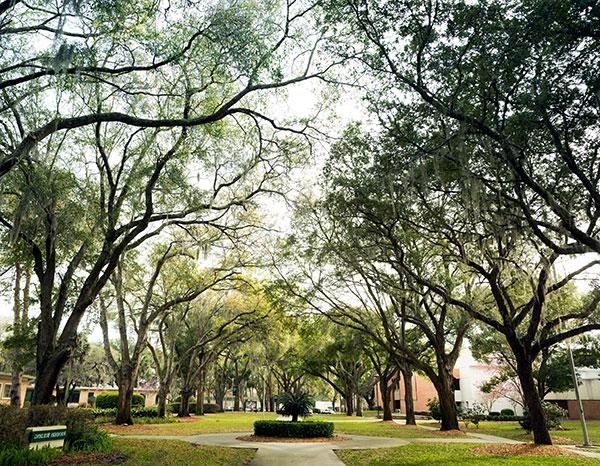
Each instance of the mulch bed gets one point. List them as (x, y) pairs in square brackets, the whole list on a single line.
[(113, 457), (256, 438), (525, 449)]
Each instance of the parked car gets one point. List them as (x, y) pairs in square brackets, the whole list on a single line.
[(327, 411)]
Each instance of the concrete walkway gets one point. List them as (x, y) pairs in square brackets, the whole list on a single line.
[(323, 453), (277, 454)]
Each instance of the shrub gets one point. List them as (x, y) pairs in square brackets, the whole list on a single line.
[(296, 404), (102, 412), (174, 407), (434, 409), (502, 418), (13, 422), (210, 408), (305, 429), (552, 413), (26, 457), (474, 415), (144, 412), (507, 412), (82, 431), (110, 400), (494, 413), (155, 420)]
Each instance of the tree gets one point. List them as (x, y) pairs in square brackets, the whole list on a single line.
[(89, 47), (510, 118), (141, 299), (104, 181)]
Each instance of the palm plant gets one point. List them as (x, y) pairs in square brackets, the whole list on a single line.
[(296, 404)]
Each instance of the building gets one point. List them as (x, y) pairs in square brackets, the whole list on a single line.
[(6, 385), (589, 391), (80, 396), (469, 375)]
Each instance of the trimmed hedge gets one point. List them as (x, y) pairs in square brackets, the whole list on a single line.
[(151, 411), (503, 418), (507, 412), (111, 400), (287, 429)]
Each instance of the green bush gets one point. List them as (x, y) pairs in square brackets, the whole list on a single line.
[(155, 420), (13, 422), (494, 413), (473, 415), (112, 412), (210, 408), (304, 429), (26, 457), (553, 414), (434, 409), (507, 412), (174, 407), (110, 400), (82, 431), (501, 418)]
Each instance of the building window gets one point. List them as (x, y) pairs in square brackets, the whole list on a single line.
[(6, 390), (455, 383)]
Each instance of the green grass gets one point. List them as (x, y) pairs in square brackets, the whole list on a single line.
[(386, 429), (207, 424), (571, 434), (170, 452), (426, 454)]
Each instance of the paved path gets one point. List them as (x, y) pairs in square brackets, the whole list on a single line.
[(323, 453), (284, 453)]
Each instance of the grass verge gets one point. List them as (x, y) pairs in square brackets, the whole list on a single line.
[(461, 454), (171, 452)]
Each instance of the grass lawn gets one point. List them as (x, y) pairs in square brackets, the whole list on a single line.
[(571, 434), (171, 452), (388, 429), (425, 454), (207, 424)]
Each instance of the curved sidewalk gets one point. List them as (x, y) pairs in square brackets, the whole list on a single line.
[(281, 453)]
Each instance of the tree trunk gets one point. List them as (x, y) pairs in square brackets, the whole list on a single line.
[(47, 370), (162, 400), (349, 404), (200, 395), (124, 403), (219, 402), (15, 389), (184, 406), (358, 405), (447, 401), (18, 324), (531, 397), (236, 396), (408, 396), (386, 390)]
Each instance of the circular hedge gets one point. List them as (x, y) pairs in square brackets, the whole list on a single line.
[(287, 429)]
